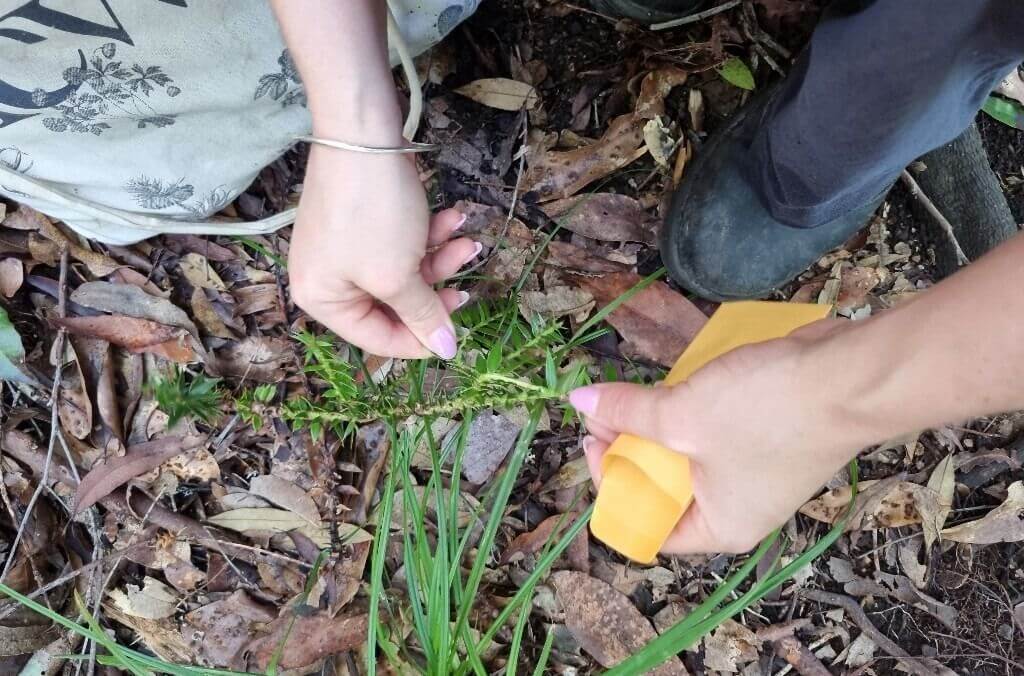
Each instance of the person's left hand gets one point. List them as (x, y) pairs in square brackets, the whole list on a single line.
[(764, 426)]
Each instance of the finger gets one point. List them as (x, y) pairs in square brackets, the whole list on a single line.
[(594, 450), (453, 299), (820, 328), (692, 535), (446, 261), (363, 323), (600, 431), (648, 412), (443, 224), (420, 308)]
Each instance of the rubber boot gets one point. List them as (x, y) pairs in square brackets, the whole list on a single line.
[(959, 181), (648, 11), (719, 239)]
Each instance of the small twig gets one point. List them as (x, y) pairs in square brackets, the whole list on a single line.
[(933, 211), (694, 18), (919, 666), (54, 417), (797, 655)]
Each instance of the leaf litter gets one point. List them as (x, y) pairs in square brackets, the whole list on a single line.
[(223, 523)]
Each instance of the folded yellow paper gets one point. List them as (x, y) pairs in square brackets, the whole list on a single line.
[(646, 487)]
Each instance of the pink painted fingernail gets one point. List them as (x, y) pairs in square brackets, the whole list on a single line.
[(584, 400), (463, 299), (477, 248), (588, 444), (442, 342), (461, 222)]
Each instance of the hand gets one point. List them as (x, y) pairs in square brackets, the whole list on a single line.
[(764, 429), (359, 260)]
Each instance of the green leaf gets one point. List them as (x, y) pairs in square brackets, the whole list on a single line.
[(736, 73), (12, 352), (1010, 113)]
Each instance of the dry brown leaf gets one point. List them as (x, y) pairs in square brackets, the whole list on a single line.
[(889, 503), (219, 631), (608, 217), (23, 640), (604, 622), (26, 218), (654, 88), (74, 406), (730, 646), (501, 93), (554, 174), (107, 404), (197, 464), (256, 358), (533, 541), (12, 276), (271, 520), (658, 322), (855, 287), (197, 270), (137, 335), (256, 298), (129, 276), (132, 301), (109, 474), (153, 601), (1002, 524), (935, 511), (569, 475), (207, 317), (557, 301), (577, 259), (287, 495), (310, 639)]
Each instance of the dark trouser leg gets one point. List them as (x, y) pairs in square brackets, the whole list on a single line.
[(882, 82)]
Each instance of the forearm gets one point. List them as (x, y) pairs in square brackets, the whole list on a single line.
[(954, 352), (340, 48)]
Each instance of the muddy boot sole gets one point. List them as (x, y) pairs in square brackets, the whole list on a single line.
[(959, 180)]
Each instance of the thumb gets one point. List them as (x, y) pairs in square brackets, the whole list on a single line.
[(421, 309), (653, 413)]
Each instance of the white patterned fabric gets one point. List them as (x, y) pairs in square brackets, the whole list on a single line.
[(129, 118)]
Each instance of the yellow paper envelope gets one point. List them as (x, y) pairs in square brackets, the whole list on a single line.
[(647, 487)]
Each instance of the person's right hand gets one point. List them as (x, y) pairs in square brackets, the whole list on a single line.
[(359, 259)]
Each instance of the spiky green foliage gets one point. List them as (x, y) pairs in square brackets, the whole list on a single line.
[(183, 395), (504, 361)]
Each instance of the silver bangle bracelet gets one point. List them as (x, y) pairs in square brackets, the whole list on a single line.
[(373, 150)]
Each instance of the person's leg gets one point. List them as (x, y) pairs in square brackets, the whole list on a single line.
[(802, 167), (880, 84)]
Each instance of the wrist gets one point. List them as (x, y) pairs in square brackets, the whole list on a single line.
[(362, 115)]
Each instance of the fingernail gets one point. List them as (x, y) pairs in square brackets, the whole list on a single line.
[(584, 400), (463, 299), (442, 342), (461, 222), (588, 444), (477, 248)]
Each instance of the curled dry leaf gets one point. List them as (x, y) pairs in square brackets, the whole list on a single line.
[(608, 217), (654, 88), (153, 601), (557, 301), (889, 503), (657, 322), (109, 474), (577, 259), (257, 298), (26, 218), (569, 475), (269, 520), (12, 276), (219, 631), (501, 93), (1005, 523), (74, 406), (555, 174), (130, 300), (935, 511), (604, 622), (533, 541)]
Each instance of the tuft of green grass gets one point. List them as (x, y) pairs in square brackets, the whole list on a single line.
[(183, 396)]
